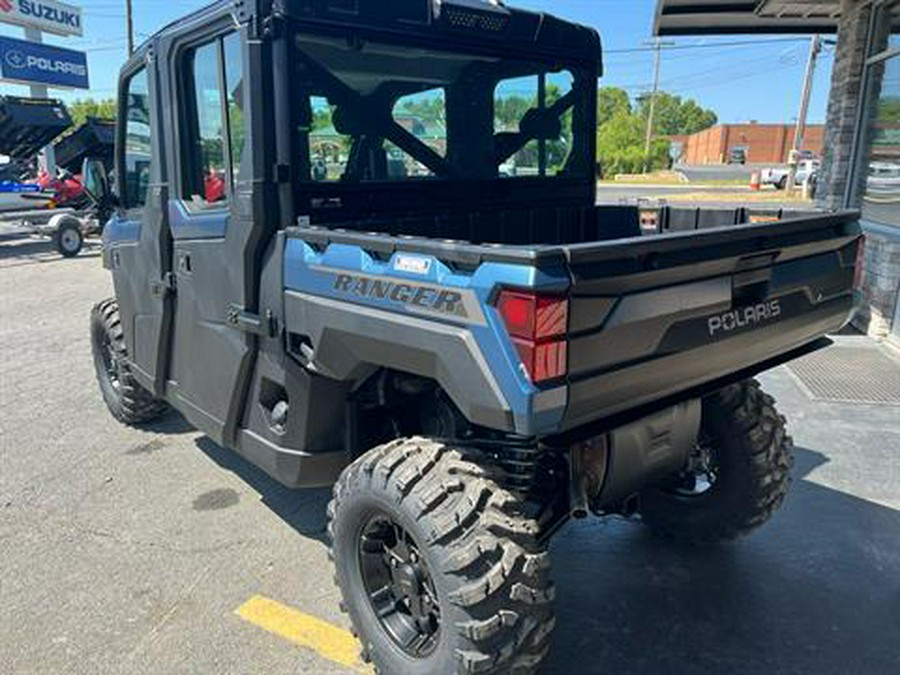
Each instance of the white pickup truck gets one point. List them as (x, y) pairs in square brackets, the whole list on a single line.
[(778, 176)]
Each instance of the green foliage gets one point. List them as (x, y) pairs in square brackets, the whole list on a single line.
[(81, 109), (429, 109), (620, 146), (610, 102), (622, 128), (675, 116)]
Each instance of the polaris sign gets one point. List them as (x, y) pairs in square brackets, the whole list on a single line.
[(35, 63), (46, 15)]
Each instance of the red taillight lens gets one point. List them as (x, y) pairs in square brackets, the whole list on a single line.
[(537, 323), (533, 316)]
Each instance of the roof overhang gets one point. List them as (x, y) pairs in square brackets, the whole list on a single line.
[(722, 17)]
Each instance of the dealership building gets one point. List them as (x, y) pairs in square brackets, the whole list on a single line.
[(757, 143), (861, 159)]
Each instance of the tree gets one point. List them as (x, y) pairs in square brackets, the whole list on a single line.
[(81, 109), (611, 101), (620, 145), (675, 116)]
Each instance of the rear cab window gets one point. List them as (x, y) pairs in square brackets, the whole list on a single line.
[(136, 168), (214, 123)]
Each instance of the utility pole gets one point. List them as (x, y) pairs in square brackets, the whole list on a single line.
[(657, 45), (815, 48), (47, 156), (129, 19)]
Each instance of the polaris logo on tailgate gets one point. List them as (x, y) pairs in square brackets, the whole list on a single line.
[(744, 317)]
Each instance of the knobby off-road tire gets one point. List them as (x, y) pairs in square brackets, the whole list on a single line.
[(127, 400), (489, 573), (754, 458)]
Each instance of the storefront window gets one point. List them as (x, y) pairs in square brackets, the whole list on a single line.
[(881, 200), (881, 168)]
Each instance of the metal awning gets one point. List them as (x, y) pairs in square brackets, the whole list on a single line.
[(720, 17)]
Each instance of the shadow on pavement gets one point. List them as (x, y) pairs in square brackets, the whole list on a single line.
[(35, 250), (303, 510), (815, 591)]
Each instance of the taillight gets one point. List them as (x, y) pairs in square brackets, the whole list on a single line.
[(537, 324)]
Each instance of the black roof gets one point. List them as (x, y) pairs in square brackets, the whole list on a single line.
[(454, 23)]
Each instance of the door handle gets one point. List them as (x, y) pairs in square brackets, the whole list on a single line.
[(185, 264)]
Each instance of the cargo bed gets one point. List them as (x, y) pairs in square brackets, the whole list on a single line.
[(656, 317)]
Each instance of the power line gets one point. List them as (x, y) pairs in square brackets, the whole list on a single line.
[(737, 43)]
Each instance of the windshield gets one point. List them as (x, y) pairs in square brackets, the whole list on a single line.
[(374, 112)]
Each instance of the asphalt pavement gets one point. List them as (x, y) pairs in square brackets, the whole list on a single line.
[(145, 551)]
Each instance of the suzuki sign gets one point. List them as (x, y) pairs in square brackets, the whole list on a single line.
[(35, 63), (46, 15)]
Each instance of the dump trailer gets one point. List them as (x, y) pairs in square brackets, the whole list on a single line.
[(95, 139), (321, 262), (29, 124)]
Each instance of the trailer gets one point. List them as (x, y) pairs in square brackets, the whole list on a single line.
[(68, 227)]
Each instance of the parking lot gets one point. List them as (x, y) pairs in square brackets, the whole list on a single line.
[(156, 551)]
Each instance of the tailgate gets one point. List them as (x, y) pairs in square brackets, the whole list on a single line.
[(654, 317)]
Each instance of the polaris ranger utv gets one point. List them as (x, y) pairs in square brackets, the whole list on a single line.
[(357, 243)]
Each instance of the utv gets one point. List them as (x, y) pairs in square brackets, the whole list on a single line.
[(470, 355)]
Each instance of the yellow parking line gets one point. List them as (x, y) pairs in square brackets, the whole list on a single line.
[(327, 640)]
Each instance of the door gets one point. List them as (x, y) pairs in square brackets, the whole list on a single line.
[(208, 353), (138, 235)]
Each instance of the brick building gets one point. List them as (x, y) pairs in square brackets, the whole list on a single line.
[(762, 143), (861, 160)]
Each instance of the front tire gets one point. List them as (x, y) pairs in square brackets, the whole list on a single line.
[(439, 569), (127, 400), (748, 457)]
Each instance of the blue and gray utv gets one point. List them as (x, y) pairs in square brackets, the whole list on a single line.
[(357, 242)]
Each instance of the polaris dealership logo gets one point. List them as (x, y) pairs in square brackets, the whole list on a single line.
[(46, 15), (46, 65), (745, 317), (35, 63), (16, 59)]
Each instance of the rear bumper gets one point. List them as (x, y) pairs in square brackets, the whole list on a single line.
[(614, 391)]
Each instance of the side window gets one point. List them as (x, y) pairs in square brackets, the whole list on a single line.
[(215, 121), (136, 171), (518, 103)]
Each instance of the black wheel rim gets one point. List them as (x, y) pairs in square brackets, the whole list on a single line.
[(110, 362), (399, 585)]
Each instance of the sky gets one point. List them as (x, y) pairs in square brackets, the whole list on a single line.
[(759, 78)]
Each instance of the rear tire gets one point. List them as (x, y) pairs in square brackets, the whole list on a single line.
[(127, 400), (477, 563), (753, 457)]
